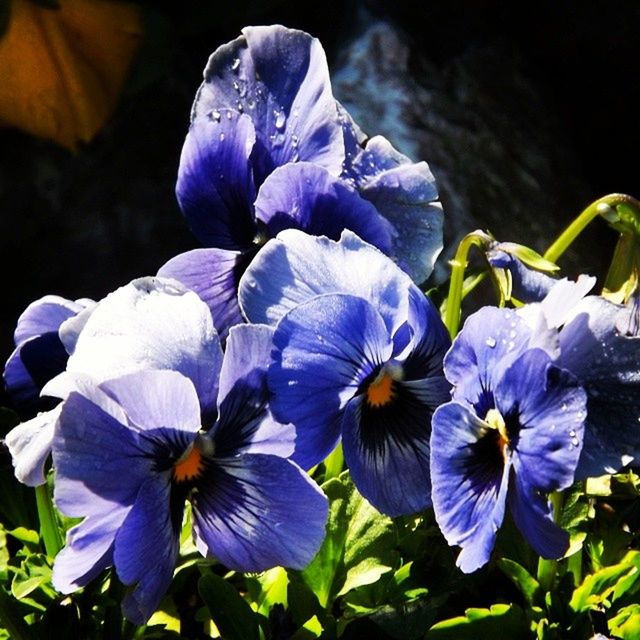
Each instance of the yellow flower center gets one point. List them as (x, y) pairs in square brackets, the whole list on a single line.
[(381, 391), (495, 420)]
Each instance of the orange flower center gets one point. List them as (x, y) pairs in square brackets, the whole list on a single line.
[(380, 392), (189, 466)]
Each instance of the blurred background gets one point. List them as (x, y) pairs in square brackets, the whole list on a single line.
[(525, 112)]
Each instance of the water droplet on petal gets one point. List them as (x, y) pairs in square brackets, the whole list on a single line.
[(221, 137), (235, 65), (490, 342), (215, 115), (281, 120)]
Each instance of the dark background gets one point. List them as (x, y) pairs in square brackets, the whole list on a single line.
[(528, 111)]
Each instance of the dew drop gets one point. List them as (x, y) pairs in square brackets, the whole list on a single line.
[(229, 115), (240, 106), (235, 65), (490, 342), (281, 120), (572, 433), (236, 86), (215, 115), (575, 442), (221, 137)]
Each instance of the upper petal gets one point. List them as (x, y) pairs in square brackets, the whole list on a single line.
[(215, 186), (295, 267), (404, 193), (306, 196), (151, 323), (280, 78)]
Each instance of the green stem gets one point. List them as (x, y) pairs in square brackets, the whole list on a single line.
[(11, 620), (602, 206), (334, 463), (574, 565), (48, 523), (547, 568), (456, 284)]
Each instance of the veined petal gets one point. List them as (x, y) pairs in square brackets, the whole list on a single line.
[(489, 341), (214, 275), (151, 323), (153, 400), (404, 193), (146, 548), (549, 407), (100, 462), (30, 444), (606, 363), (324, 349), (387, 451), (256, 511), (533, 515), (88, 550), (469, 478), (215, 186), (245, 423), (280, 78), (295, 267), (306, 196)]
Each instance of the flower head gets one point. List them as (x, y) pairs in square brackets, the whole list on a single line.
[(511, 435), (357, 355), (129, 451), (269, 148)]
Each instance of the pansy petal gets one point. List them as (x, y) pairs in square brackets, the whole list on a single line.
[(245, 423), (533, 515), (45, 315), (549, 407), (29, 444), (324, 349), (559, 304), (404, 193), (280, 78), (88, 550), (151, 323), (489, 341), (387, 452), (100, 462), (214, 275), (70, 329), (146, 549), (606, 363), (255, 511), (307, 197), (295, 267), (157, 399), (529, 285), (215, 183), (469, 483)]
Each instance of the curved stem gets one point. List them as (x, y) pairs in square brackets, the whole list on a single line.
[(48, 523), (602, 206), (456, 284)]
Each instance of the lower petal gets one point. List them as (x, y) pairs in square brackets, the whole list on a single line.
[(257, 511)]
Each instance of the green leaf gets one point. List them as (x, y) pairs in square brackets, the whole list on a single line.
[(603, 584), (528, 585), (33, 575), (501, 621), (268, 588), (231, 614), (529, 257), (26, 536), (626, 624), (358, 548)]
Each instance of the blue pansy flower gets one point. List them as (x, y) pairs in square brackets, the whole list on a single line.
[(130, 451), (151, 323), (41, 350), (357, 356), (269, 148), (511, 435)]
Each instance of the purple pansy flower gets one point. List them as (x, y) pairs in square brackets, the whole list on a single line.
[(357, 355), (151, 323), (512, 434), (129, 451), (269, 148), (40, 353)]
